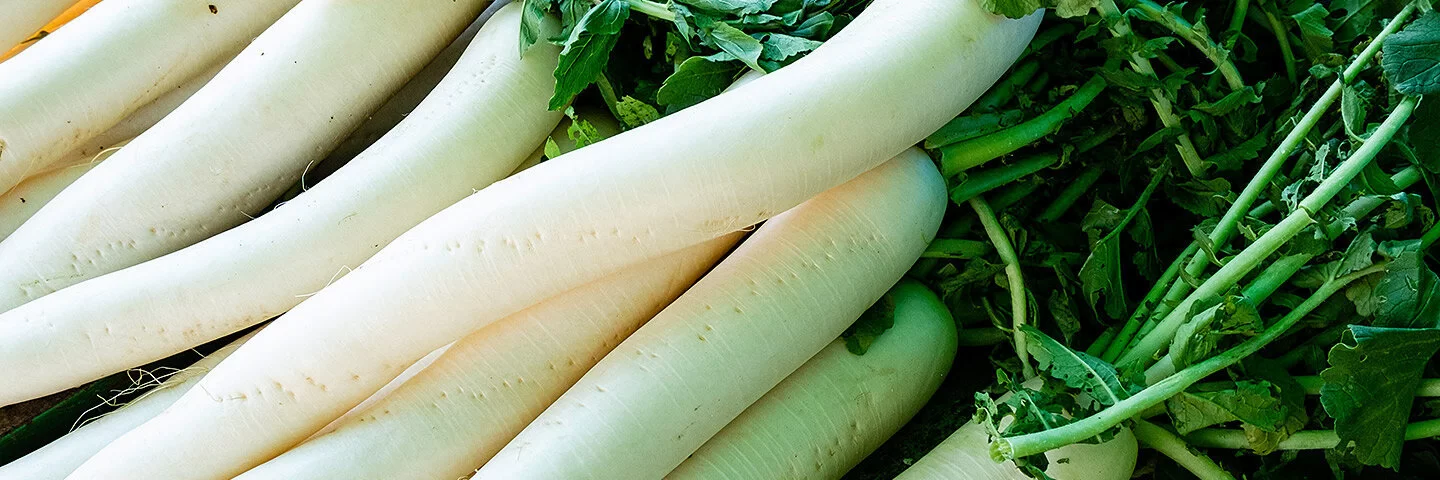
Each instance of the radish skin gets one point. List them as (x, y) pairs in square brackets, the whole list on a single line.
[(781, 297), (965, 455), (235, 145), (453, 415), (134, 124), (24, 17), (692, 176), (118, 56), (475, 128), (838, 407), (21, 202), (606, 126), (59, 458)]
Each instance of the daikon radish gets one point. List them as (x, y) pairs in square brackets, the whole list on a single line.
[(58, 459), (838, 407), (473, 129), (235, 145), (719, 166), (457, 412), (781, 297), (81, 80)]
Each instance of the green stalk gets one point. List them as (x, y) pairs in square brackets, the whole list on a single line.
[(982, 337), (955, 248), (1004, 91), (1120, 28), (990, 179), (1101, 342), (1045, 38), (1009, 448), (1184, 29), (1287, 54), (653, 9), (1018, 301), (958, 157), (1430, 237), (1301, 440), (1171, 445), (1070, 194), (1237, 21), (1360, 207), (966, 127), (1427, 388), (1273, 239), (1152, 297)]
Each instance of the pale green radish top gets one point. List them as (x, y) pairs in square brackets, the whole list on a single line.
[(838, 407), (965, 455)]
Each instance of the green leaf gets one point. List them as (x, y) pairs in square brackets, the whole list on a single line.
[(1370, 385), (871, 324), (1408, 293), (1063, 312), (552, 149), (1098, 379), (1412, 56), (1256, 403), (779, 47), (530, 20), (1231, 101), (633, 113), (736, 43), (1021, 8), (1196, 339), (1425, 134), (1354, 104), (1101, 272), (1315, 37), (696, 80), (816, 27), (587, 50)]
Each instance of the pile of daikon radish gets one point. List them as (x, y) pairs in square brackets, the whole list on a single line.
[(443, 304)]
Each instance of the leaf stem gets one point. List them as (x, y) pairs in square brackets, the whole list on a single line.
[(653, 9), (1004, 90), (958, 157), (1008, 448), (1273, 239), (1282, 37), (1019, 301), (1152, 297), (1430, 237), (984, 181), (1301, 440), (1428, 387), (1184, 29), (1120, 28), (1071, 194), (982, 337), (1171, 445)]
